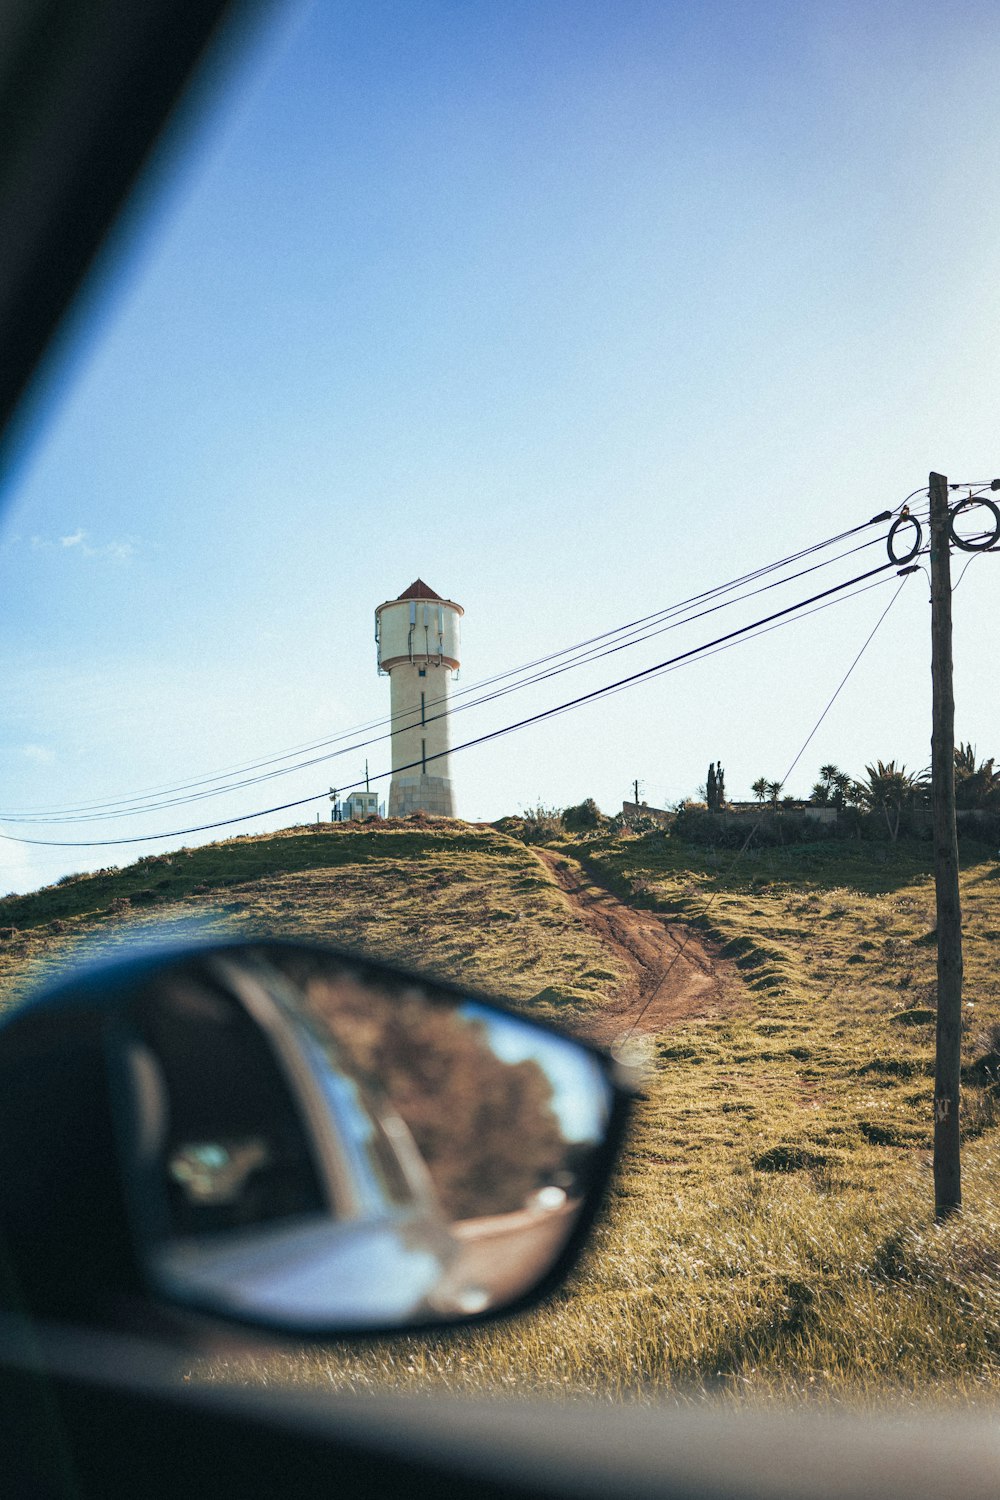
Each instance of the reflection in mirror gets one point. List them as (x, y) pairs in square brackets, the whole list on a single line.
[(317, 1143)]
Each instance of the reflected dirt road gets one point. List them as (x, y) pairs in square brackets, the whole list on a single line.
[(506, 1253)]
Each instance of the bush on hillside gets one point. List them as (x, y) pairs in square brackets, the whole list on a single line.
[(584, 817), (541, 824), (772, 827), (980, 825), (535, 825), (764, 829)]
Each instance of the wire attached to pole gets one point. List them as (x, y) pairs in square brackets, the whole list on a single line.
[(582, 653), (482, 739), (622, 1040)]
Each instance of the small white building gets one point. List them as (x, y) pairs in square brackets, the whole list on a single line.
[(360, 805)]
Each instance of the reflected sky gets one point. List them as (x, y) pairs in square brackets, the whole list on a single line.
[(580, 1092)]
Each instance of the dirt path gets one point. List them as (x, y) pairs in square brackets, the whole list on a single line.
[(673, 974)]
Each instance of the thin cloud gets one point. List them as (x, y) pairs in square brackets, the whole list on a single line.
[(40, 754), (78, 542)]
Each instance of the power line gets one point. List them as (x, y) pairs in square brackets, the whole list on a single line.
[(121, 810), (766, 629), (102, 812), (54, 814), (750, 836), (129, 804), (707, 647)]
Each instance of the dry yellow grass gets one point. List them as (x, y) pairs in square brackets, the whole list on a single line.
[(455, 900), (770, 1233)]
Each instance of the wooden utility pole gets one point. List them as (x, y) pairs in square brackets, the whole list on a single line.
[(948, 1064)]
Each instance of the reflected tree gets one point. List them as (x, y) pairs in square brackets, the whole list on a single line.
[(485, 1127)]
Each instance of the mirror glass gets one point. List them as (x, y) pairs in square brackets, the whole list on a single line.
[(316, 1143)]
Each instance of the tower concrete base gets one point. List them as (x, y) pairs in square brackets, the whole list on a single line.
[(429, 794)]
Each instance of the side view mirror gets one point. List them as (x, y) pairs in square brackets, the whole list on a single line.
[(293, 1138)]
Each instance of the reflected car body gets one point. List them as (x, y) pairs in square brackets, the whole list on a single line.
[(245, 1170), (323, 1212), (383, 1254)]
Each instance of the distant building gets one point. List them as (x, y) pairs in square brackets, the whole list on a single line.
[(815, 812), (417, 636), (659, 815), (360, 805)]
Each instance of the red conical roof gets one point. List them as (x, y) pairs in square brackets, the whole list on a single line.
[(419, 590)]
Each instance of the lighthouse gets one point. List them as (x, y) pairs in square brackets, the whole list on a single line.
[(417, 636)]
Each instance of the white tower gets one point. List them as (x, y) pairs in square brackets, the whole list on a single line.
[(417, 639)]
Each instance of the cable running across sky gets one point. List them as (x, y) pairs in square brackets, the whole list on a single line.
[(126, 809), (757, 822), (696, 652), (568, 658)]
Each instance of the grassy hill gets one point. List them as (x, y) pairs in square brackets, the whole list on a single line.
[(459, 900), (771, 1230)]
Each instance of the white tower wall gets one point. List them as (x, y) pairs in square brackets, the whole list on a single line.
[(411, 628), (418, 646)]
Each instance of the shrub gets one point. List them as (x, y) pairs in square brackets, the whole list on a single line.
[(541, 824), (585, 815)]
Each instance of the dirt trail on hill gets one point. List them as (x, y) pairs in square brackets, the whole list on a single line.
[(673, 973)]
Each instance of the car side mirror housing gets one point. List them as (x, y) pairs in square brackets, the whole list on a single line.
[(295, 1139)]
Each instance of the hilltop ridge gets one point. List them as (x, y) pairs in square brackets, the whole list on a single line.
[(461, 900)]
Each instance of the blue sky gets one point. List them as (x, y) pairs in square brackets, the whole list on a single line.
[(571, 309)]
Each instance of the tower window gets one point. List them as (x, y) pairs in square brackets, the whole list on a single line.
[(423, 713), (421, 671), (423, 755)]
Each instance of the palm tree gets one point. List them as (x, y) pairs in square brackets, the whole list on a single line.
[(774, 789), (977, 783), (760, 787), (844, 790), (833, 789), (890, 788)]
